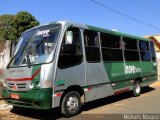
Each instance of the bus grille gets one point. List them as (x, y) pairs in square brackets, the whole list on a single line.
[(20, 86)]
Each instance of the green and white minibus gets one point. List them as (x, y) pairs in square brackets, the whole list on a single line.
[(65, 64)]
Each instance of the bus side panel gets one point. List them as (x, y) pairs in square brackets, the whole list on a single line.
[(116, 73), (149, 72), (98, 82), (122, 74), (67, 77), (132, 70)]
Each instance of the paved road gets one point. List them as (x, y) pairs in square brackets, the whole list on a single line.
[(113, 107)]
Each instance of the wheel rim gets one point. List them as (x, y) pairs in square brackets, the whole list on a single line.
[(72, 103), (137, 88)]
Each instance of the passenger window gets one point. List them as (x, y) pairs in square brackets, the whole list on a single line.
[(131, 55), (144, 51), (110, 41), (143, 45), (111, 47), (152, 51), (130, 44), (91, 41), (112, 54), (71, 49), (131, 52)]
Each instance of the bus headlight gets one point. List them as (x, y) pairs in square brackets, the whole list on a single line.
[(31, 86), (4, 83)]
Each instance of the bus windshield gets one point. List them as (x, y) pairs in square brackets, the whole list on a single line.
[(36, 46)]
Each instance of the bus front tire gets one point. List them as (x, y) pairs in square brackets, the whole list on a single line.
[(16, 108), (71, 104), (136, 88)]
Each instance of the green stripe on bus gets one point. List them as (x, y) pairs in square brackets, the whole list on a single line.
[(60, 82), (37, 77)]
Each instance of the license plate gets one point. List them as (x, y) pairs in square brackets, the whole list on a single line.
[(15, 96)]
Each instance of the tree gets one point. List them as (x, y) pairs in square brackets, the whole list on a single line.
[(23, 21), (12, 26), (6, 23)]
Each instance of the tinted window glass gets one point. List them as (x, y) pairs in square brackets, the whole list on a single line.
[(112, 54), (111, 47), (145, 56), (152, 51), (110, 41), (131, 55), (71, 49), (143, 45), (144, 48), (91, 46), (130, 43), (131, 52)]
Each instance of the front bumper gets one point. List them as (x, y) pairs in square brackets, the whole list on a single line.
[(37, 98)]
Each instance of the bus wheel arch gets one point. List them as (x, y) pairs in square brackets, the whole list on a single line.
[(73, 94), (137, 87), (138, 79)]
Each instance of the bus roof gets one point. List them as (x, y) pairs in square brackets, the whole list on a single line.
[(90, 27), (117, 33), (105, 30)]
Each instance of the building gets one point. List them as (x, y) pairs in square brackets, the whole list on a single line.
[(156, 39)]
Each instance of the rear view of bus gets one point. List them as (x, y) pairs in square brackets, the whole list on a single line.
[(67, 64)]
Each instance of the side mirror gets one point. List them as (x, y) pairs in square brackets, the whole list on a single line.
[(69, 37)]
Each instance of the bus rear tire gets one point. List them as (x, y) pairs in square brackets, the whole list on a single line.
[(136, 88), (71, 104)]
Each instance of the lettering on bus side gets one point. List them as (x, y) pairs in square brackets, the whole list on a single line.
[(129, 69)]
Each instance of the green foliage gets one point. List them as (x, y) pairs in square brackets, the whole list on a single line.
[(23, 21), (6, 23), (12, 26)]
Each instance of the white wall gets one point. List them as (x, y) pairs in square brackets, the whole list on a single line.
[(4, 59), (5, 55)]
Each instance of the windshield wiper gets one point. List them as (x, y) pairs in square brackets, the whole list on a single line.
[(14, 57)]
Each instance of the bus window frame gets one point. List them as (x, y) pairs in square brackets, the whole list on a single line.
[(153, 51), (81, 44), (120, 48), (149, 51), (99, 46)]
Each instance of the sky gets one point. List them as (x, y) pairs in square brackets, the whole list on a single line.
[(88, 12)]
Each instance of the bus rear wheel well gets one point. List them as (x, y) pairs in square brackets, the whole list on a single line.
[(76, 88), (138, 79)]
